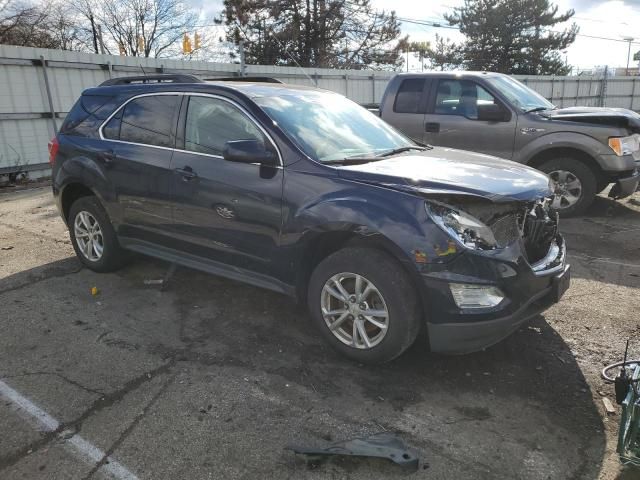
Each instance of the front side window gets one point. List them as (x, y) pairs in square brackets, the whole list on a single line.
[(212, 122), (461, 97), (147, 120), (327, 126)]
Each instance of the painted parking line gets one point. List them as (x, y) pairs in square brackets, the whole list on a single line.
[(46, 423)]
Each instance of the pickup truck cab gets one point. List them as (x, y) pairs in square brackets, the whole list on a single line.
[(582, 149)]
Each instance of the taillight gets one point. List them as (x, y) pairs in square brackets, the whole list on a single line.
[(53, 150)]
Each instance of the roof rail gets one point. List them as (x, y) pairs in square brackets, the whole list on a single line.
[(158, 78), (245, 79)]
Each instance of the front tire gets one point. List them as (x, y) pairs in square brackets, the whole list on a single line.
[(364, 304), (575, 185), (93, 237)]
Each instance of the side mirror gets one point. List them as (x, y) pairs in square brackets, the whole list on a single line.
[(248, 151), (491, 112)]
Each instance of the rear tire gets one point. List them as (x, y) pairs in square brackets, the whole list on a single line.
[(391, 303), (93, 237), (576, 185)]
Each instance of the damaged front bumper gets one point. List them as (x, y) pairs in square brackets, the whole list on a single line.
[(529, 289), (624, 187)]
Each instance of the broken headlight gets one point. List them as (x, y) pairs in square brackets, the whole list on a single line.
[(625, 145), (467, 230)]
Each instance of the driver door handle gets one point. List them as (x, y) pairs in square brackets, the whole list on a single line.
[(187, 173)]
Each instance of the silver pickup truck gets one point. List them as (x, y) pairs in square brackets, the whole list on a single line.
[(582, 149)]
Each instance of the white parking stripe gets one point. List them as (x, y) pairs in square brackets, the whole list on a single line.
[(89, 452)]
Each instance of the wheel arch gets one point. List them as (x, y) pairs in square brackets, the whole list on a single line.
[(322, 244), (550, 153), (71, 192)]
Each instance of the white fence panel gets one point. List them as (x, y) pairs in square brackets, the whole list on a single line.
[(26, 122)]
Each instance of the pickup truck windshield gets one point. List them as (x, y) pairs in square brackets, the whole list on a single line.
[(327, 126), (519, 94)]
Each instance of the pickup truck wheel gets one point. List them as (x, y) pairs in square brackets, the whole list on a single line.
[(575, 185), (93, 237), (364, 304)]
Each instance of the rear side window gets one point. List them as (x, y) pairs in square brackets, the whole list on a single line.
[(409, 96), (212, 122), (147, 120)]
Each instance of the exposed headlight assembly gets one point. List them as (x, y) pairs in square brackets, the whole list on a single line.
[(625, 145), (465, 229)]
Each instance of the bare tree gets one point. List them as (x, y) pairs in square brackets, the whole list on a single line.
[(138, 28)]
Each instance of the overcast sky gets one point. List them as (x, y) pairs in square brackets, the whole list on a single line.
[(603, 18)]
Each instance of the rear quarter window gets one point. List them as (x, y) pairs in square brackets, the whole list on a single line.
[(87, 113)]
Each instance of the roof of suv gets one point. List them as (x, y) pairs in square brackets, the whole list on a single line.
[(250, 89)]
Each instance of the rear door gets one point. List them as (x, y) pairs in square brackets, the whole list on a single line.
[(140, 137), (408, 106), (452, 119)]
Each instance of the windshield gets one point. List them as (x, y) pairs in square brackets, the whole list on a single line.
[(519, 94), (327, 126)]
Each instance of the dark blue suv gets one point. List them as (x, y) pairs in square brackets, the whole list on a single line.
[(304, 192)]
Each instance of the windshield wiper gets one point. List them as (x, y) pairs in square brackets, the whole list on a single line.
[(394, 151), (351, 160), (537, 109)]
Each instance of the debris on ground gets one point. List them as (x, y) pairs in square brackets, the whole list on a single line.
[(381, 445), (608, 406), (94, 291)]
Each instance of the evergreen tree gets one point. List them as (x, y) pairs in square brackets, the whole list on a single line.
[(514, 36)]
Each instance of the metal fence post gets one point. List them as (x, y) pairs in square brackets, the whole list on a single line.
[(603, 87), (577, 91), (633, 93), (110, 69), (346, 85), (552, 82), (49, 97), (373, 88)]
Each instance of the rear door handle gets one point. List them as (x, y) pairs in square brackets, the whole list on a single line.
[(433, 127), (108, 157), (187, 173)]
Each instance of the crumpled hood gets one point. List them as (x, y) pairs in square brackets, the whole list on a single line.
[(617, 117), (453, 172)]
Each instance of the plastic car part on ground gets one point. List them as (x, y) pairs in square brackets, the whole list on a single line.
[(381, 445)]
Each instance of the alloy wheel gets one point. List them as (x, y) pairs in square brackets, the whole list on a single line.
[(354, 310), (567, 189), (88, 235)]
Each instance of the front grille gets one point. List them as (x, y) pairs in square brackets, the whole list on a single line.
[(505, 229), (540, 228)]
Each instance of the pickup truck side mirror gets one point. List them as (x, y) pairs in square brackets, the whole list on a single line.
[(248, 151), (491, 112)]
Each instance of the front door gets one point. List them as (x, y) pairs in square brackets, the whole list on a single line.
[(229, 212), (452, 120)]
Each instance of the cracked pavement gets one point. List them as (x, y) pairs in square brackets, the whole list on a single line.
[(212, 379)]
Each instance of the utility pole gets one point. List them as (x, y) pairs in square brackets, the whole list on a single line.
[(628, 39)]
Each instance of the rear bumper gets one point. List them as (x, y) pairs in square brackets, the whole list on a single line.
[(626, 186)]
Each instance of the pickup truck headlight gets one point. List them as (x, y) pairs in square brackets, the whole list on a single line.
[(465, 229), (624, 145)]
